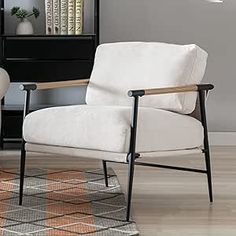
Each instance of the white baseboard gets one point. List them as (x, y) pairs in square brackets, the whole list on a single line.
[(222, 138)]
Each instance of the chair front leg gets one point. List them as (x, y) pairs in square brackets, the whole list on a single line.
[(131, 165), (23, 151), (22, 172), (132, 155)]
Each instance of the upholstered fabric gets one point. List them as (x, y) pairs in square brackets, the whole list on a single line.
[(76, 152), (102, 155), (4, 84), (120, 67), (107, 128)]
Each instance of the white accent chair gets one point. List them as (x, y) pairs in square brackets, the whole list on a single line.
[(4, 85), (113, 126)]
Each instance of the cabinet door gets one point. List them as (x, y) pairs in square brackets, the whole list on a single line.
[(45, 59), (44, 71), (12, 124), (55, 48)]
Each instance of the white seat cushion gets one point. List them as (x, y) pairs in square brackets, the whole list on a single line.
[(107, 128), (120, 67)]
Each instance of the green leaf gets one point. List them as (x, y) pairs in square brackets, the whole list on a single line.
[(14, 10), (36, 12), (21, 13)]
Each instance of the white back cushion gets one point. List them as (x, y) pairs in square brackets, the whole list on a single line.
[(120, 67)]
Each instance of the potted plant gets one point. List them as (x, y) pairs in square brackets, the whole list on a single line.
[(25, 26)]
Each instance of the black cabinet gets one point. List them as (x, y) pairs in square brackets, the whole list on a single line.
[(42, 47), (43, 58)]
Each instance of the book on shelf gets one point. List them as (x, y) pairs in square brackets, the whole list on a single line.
[(56, 16), (49, 15), (79, 16), (64, 17), (71, 17)]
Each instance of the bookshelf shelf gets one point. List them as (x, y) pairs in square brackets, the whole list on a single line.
[(48, 36), (44, 58)]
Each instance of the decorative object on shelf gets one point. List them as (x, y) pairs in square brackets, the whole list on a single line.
[(25, 26)]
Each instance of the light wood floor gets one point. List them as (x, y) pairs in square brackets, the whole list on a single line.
[(168, 203)]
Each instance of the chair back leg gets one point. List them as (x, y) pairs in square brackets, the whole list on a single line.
[(22, 172), (104, 164)]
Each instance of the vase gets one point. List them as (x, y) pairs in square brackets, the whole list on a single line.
[(24, 27)]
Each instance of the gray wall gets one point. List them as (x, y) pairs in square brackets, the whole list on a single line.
[(212, 26)]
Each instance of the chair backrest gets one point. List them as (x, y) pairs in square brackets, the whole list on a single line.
[(120, 67)]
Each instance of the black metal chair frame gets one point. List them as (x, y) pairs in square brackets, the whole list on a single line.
[(133, 156)]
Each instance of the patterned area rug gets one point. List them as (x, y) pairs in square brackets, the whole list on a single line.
[(63, 203)]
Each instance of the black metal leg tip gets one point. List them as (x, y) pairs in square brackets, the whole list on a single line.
[(107, 185)]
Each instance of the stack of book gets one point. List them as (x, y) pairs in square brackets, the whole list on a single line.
[(64, 17)]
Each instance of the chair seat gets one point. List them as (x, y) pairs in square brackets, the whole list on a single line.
[(107, 128)]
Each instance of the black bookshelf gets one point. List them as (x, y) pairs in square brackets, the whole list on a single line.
[(43, 58)]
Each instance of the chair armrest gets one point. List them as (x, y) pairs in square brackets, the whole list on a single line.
[(179, 89), (4, 82), (54, 85)]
